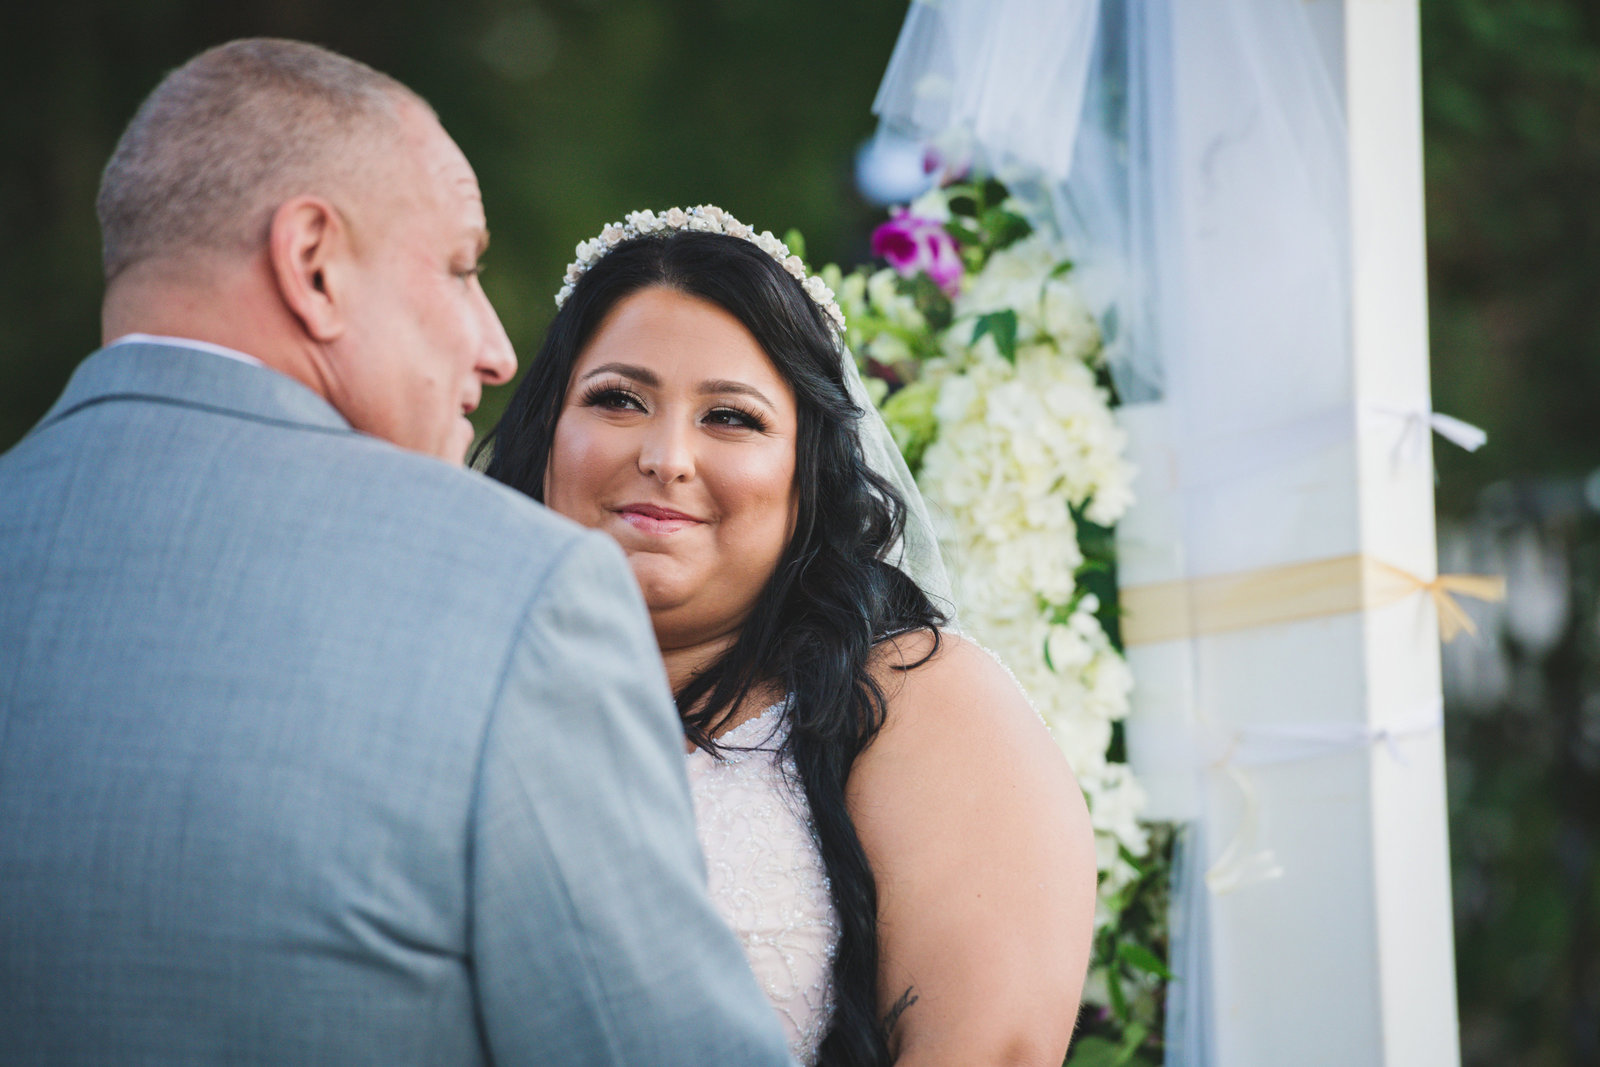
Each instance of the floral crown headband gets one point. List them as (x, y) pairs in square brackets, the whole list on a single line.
[(707, 218)]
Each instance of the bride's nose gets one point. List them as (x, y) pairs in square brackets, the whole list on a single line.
[(667, 453)]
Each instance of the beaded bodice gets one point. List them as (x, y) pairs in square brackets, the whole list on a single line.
[(765, 874)]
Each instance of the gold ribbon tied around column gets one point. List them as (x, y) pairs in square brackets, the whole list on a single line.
[(1172, 611)]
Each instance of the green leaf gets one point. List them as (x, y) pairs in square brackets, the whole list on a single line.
[(1003, 325), (909, 414), (935, 307), (962, 231), (1128, 857), (1062, 269), (1094, 1051), (1004, 227), (1119, 999), (796, 242), (1142, 959), (964, 199), (1132, 1038)]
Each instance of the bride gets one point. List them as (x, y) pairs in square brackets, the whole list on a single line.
[(888, 827)]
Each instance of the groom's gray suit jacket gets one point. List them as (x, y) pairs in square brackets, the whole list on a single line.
[(314, 751)]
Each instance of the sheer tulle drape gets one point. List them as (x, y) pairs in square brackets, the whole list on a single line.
[(1001, 78), (1192, 157)]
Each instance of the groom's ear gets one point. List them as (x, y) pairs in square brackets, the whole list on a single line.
[(308, 245)]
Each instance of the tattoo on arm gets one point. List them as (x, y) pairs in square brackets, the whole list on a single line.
[(908, 998)]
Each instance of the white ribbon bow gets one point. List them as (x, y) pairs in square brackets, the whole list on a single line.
[(1416, 424)]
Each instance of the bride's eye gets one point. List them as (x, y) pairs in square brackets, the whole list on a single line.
[(736, 417), (612, 397)]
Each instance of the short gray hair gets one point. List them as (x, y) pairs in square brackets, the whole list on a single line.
[(230, 135)]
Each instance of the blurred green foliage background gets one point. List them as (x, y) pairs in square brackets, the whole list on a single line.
[(1512, 98), (572, 111), (575, 111), (1512, 106)]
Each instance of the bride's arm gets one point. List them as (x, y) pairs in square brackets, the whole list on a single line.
[(979, 839)]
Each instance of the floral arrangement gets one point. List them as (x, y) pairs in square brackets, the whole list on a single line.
[(988, 368)]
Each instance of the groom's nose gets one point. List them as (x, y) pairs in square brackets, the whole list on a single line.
[(497, 362)]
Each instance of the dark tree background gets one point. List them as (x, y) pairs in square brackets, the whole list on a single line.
[(1512, 98), (575, 111)]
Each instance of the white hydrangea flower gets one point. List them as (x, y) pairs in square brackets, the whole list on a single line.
[(1019, 445), (883, 290), (1022, 278)]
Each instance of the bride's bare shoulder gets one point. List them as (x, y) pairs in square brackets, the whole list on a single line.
[(944, 681), (983, 854)]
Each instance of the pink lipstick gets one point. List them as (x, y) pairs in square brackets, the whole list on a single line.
[(654, 519)]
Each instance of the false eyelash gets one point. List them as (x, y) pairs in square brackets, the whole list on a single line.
[(754, 419), (600, 390)]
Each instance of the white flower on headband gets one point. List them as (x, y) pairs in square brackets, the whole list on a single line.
[(706, 218)]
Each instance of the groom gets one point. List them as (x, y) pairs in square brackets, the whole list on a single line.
[(314, 749)]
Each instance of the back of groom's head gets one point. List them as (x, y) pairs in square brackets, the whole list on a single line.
[(226, 137), (276, 198)]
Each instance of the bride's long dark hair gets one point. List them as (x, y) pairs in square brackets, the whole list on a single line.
[(833, 595)]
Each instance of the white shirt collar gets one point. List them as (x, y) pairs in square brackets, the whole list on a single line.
[(186, 342)]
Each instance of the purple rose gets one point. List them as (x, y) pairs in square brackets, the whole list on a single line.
[(913, 245)]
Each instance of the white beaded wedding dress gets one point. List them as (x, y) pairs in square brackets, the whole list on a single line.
[(765, 874)]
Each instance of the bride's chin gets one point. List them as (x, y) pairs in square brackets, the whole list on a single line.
[(662, 591)]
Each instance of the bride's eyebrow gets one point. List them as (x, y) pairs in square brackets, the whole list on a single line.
[(724, 385), (642, 375)]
